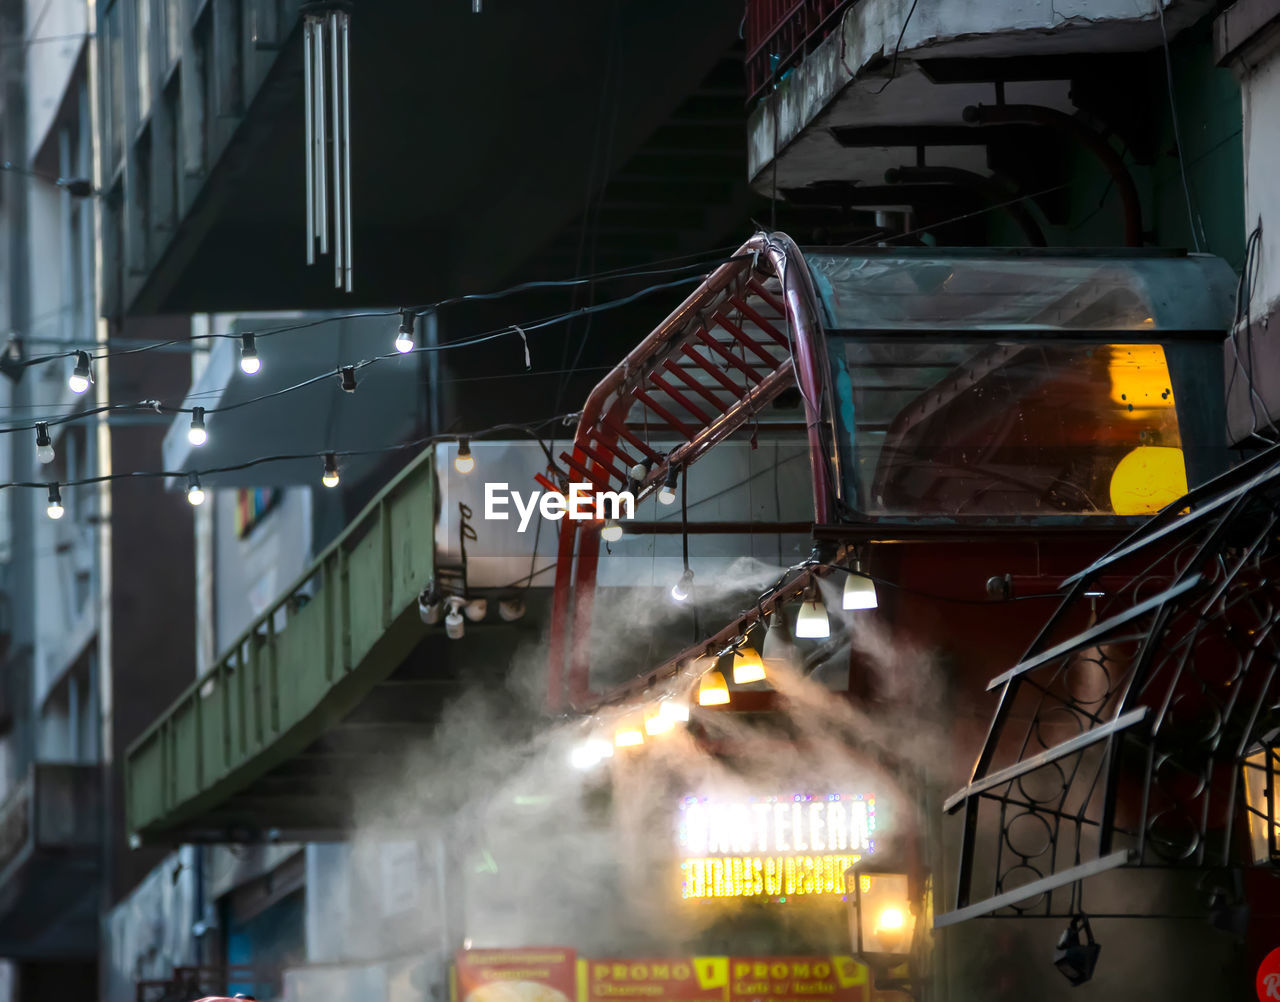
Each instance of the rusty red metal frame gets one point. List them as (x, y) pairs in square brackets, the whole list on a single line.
[(605, 450)]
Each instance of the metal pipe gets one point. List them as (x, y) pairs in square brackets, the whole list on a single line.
[(339, 241), (346, 146), (1051, 118), (307, 96), (322, 186)]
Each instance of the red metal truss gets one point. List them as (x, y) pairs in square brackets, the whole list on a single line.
[(750, 331)]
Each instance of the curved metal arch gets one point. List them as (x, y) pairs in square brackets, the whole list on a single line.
[(750, 331), (1185, 665)]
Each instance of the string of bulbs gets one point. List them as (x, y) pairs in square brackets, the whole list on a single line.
[(330, 476)]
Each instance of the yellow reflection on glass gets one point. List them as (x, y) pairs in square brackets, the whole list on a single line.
[(1148, 479), (1140, 377)]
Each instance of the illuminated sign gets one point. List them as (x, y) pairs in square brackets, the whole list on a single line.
[(772, 847)]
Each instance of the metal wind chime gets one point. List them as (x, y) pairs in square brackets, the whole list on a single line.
[(327, 42)]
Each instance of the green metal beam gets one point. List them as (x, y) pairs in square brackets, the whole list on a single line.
[(298, 670)]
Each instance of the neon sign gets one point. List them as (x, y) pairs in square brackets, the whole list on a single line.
[(772, 847)]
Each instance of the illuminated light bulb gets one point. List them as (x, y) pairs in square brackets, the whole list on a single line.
[(347, 378), (249, 361), (590, 753), (713, 690), (1147, 479), (859, 592), (674, 709), (629, 734), (811, 620), (44, 443), (195, 493), (464, 462), (196, 434), (747, 666), (81, 375), (55, 509), (330, 477), (681, 589), (667, 493), (656, 722), (404, 338), (890, 920), (611, 532)]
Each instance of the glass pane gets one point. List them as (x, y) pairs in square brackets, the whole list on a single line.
[(991, 290), (1046, 428)]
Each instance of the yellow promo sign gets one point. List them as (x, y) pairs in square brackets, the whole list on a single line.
[(776, 847)]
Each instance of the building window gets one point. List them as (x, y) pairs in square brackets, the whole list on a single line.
[(172, 31), (142, 51), (113, 85)]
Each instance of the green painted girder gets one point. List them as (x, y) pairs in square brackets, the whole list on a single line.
[(304, 664)]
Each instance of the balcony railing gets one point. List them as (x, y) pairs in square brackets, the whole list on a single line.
[(780, 33)]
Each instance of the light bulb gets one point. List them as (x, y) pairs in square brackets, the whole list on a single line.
[(464, 462), (55, 509), (611, 532), (404, 339), (81, 375), (859, 592), (675, 709), (249, 361), (44, 443), (511, 609), (196, 434), (667, 492), (656, 722), (811, 620), (681, 589), (713, 690), (195, 493), (330, 477), (638, 472), (747, 666), (629, 734), (590, 753), (454, 624), (777, 644)]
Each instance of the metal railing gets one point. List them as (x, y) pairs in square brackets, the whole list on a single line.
[(780, 33)]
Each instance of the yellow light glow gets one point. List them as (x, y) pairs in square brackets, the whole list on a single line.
[(629, 734), (657, 722), (1140, 377), (1148, 479), (890, 920), (713, 690), (747, 666)]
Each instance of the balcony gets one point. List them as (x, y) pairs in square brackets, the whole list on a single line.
[(862, 105), (50, 830), (262, 740)]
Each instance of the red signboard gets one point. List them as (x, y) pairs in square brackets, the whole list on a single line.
[(1269, 977), (524, 975), (680, 979), (797, 979)]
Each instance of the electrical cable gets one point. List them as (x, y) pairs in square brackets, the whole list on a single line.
[(1193, 217), (887, 238)]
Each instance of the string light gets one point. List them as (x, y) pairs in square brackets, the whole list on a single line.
[(464, 462), (667, 493), (777, 647), (629, 734), (195, 493), (675, 709), (811, 620), (747, 666), (196, 434), (590, 753), (347, 378), (656, 722), (681, 589), (55, 509), (330, 478), (81, 374), (611, 532), (44, 443), (859, 591), (404, 339), (249, 361), (713, 690)]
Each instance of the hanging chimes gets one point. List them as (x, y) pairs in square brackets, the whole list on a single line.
[(326, 39)]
